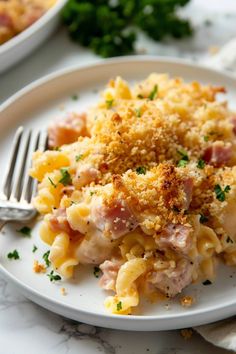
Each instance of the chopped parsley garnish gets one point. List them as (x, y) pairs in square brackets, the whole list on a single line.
[(206, 138), (220, 193), (201, 164), (140, 96), (119, 306), (184, 158), (138, 112), (13, 255), (182, 163), (109, 103), (207, 282), (34, 248), (92, 193), (66, 178), (141, 170), (203, 218), (153, 93), (78, 157), (46, 260), (229, 240), (53, 277), (96, 272), (52, 183), (25, 230), (75, 97)]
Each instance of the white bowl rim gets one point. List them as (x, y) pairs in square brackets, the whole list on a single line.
[(29, 31), (116, 60)]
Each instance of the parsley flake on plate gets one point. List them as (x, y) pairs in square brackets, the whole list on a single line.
[(25, 230), (221, 193), (53, 277), (119, 306), (66, 177), (13, 255), (46, 260), (34, 248)]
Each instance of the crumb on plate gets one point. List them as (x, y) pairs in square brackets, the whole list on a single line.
[(38, 267)]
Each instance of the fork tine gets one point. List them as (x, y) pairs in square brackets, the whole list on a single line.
[(20, 166), (27, 183), (10, 168), (42, 145)]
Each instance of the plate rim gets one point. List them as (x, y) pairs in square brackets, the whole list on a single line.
[(107, 319)]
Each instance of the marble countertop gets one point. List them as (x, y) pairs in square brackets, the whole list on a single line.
[(28, 328)]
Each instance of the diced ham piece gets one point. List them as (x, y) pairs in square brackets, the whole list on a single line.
[(110, 271), (5, 20), (218, 153), (175, 236), (171, 281), (114, 219), (85, 174), (95, 248), (67, 130), (188, 189), (233, 121), (58, 222)]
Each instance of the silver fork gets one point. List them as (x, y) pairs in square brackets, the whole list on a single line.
[(18, 188)]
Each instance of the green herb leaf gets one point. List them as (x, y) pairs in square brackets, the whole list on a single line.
[(141, 170), (96, 272), (119, 306), (13, 255), (207, 282), (203, 218), (220, 193), (34, 248), (109, 103), (182, 163), (92, 193), (66, 178), (138, 112), (201, 164), (46, 260), (52, 183), (153, 93), (25, 230), (78, 157), (206, 138), (184, 160), (53, 277)]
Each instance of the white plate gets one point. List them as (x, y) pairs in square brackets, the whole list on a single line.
[(25, 42), (35, 106)]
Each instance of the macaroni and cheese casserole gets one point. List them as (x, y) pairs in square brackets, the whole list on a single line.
[(143, 186)]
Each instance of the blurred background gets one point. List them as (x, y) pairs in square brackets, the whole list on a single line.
[(89, 30)]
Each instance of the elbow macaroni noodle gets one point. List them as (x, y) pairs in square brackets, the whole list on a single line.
[(148, 194)]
